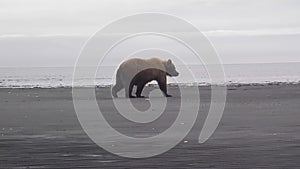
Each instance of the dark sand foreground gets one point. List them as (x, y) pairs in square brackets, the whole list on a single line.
[(260, 128)]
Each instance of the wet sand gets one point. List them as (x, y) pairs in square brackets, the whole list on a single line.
[(260, 128)]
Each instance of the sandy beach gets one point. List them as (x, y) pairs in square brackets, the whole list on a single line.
[(260, 128)]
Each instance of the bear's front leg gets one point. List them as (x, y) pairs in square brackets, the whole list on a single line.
[(168, 95), (162, 83)]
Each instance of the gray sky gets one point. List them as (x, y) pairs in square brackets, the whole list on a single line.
[(52, 32)]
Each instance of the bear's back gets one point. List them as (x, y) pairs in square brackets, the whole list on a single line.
[(136, 64), (131, 67)]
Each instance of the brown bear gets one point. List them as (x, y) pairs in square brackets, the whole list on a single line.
[(141, 71)]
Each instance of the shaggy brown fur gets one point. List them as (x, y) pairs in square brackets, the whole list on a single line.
[(139, 72)]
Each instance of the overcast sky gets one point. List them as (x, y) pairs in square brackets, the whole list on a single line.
[(52, 32)]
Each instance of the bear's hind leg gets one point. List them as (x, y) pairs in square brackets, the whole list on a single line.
[(119, 85), (128, 91), (116, 89)]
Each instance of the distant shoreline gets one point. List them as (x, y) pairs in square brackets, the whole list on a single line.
[(170, 85), (235, 75)]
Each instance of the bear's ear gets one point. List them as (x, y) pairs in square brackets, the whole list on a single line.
[(169, 61)]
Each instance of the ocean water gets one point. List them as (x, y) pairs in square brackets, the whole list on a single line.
[(51, 77)]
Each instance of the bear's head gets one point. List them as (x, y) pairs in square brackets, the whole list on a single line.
[(170, 68)]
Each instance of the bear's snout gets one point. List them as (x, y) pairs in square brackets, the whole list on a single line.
[(175, 73)]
